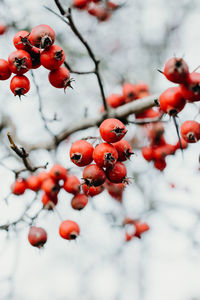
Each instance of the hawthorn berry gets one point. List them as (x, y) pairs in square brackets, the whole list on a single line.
[(50, 187), (93, 175), (147, 153), (112, 130), (42, 36), (130, 92), (19, 62), (191, 89), (115, 190), (117, 173), (160, 164), (53, 57), (81, 153), (79, 201), (72, 185), (58, 172), (115, 100), (49, 202), (60, 78), (105, 155), (4, 69), (33, 183), (92, 190), (172, 101), (18, 187), (69, 230), (124, 150), (81, 4), (190, 131), (19, 85), (37, 236), (176, 70), (42, 176), (21, 41)]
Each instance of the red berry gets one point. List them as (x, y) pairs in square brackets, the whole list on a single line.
[(117, 173), (19, 62), (53, 57), (79, 201), (69, 230), (172, 101), (33, 183), (19, 85), (58, 172), (176, 70), (72, 185), (3, 28), (49, 202), (124, 150), (21, 41), (100, 13), (130, 92), (105, 155), (191, 90), (190, 131), (18, 187), (92, 190), (42, 176), (4, 69), (35, 57), (112, 130), (115, 100), (115, 190), (42, 36), (37, 236), (160, 164), (81, 153), (93, 175), (50, 187), (60, 78), (81, 4), (147, 153)]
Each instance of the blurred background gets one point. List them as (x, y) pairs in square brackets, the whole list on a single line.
[(100, 264)]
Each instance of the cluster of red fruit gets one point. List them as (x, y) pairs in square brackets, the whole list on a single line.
[(96, 9), (173, 100), (33, 50), (138, 228)]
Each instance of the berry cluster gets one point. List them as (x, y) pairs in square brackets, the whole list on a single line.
[(33, 50), (97, 8), (137, 228)]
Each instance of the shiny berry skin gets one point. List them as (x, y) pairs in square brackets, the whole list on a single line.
[(42, 36), (172, 101), (4, 69), (19, 62), (21, 41), (191, 89), (50, 187), (115, 100), (37, 236), (92, 190), (18, 187), (3, 28), (72, 185), (19, 85), (81, 153), (69, 230), (105, 155), (124, 150), (58, 172), (49, 202), (176, 70), (117, 173), (60, 78), (35, 57), (79, 201), (112, 130), (130, 92), (81, 4), (33, 183), (53, 57), (147, 153), (190, 131), (160, 164), (93, 175)]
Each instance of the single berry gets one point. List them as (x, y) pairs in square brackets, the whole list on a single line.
[(49, 202), (37, 236), (53, 57), (4, 69), (190, 131), (72, 185), (130, 92), (79, 201), (33, 183), (115, 100), (19, 62), (58, 172), (60, 78), (42, 36), (21, 41), (112, 130), (172, 101), (124, 150), (18, 187), (81, 153), (92, 190), (69, 230), (105, 155), (19, 85), (93, 175), (50, 187), (191, 89), (117, 174), (176, 70)]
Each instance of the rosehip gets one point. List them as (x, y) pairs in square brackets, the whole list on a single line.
[(81, 153), (53, 57), (19, 85), (92, 190), (190, 131), (18, 187), (191, 90), (19, 62), (69, 230), (124, 150), (58, 172), (176, 70), (21, 41), (4, 70), (72, 185), (117, 173), (172, 101), (79, 201), (93, 175), (112, 130), (33, 183), (60, 78), (42, 36), (37, 236), (105, 155)]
